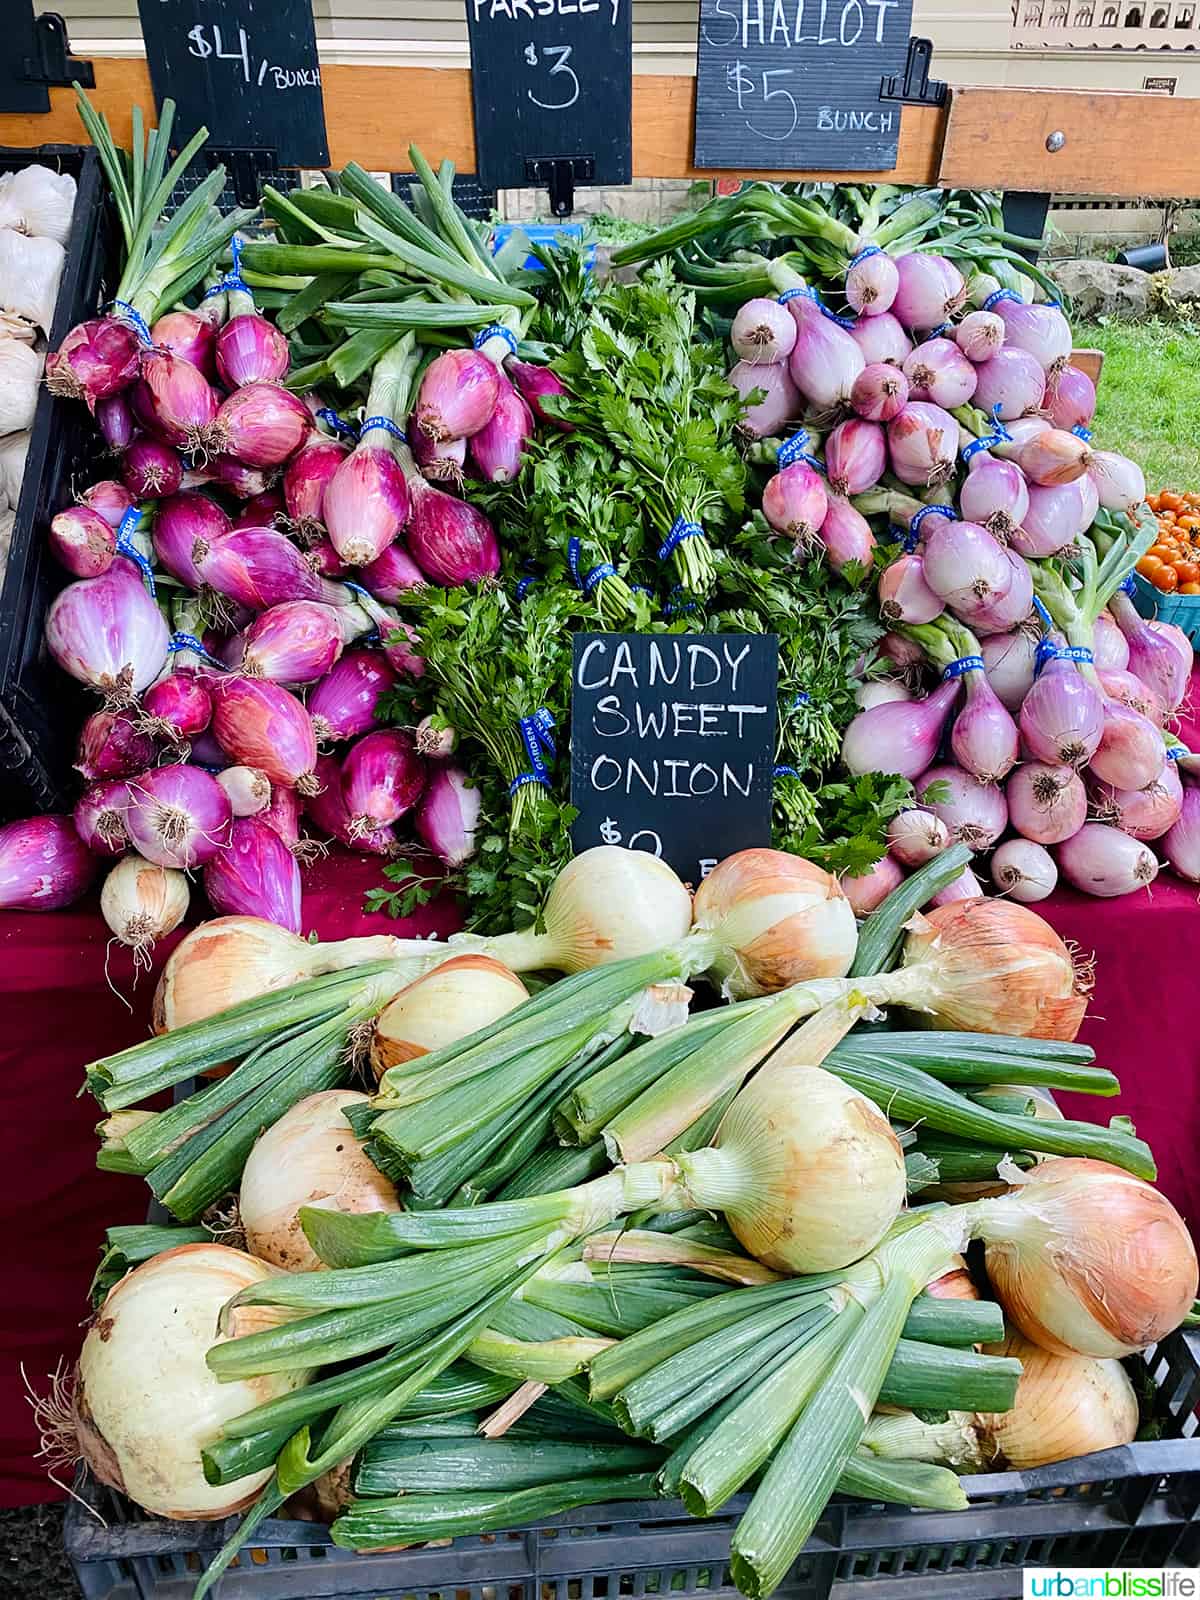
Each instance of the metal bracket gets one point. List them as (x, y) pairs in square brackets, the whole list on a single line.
[(916, 88), (53, 64), (246, 169), (560, 174), (38, 58)]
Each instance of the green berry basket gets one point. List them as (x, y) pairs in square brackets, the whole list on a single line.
[(1181, 609)]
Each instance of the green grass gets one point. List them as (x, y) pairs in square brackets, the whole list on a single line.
[(1149, 397)]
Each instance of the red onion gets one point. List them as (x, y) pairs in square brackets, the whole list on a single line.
[(367, 500), (902, 652), (1062, 716), (325, 560), (931, 289), (82, 541), (1121, 685), (795, 502), (1152, 658), (249, 790), (537, 384), (111, 745), (1046, 803), (872, 282), (900, 737), (984, 737), (151, 469), (1010, 383), (179, 816), (965, 887), (259, 724), (1054, 517), (995, 495), (1181, 842), (1024, 871), (186, 528), (1054, 458), (881, 339), (327, 810), (183, 402), (261, 567), (1009, 660), (109, 633), (923, 444), (306, 478), (964, 563), (141, 408), (846, 535), (781, 401), (825, 360), (261, 425), (1120, 483), (979, 335), (974, 812), (1070, 399), (397, 642), (440, 460), (115, 421), (206, 752), (939, 372), (343, 704), (458, 394), (1130, 754), (915, 837), (1147, 812), (44, 864), (1042, 331), (450, 540), (1106, 862), (109, 499), (448, 815), (293, 643), (250, 350), (904, 596), (382, 778), (1020, 432), (1175, 635), (390, 574), (855, 456), (193, 337), (99, 817), (282, 813), (870, 889), (96, 359), (880, 392), (1001, 612), (498, 448), (255, 876), (177, 706), (763, 333), (242, 481)]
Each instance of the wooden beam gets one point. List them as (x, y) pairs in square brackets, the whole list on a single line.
[(1089, 362)]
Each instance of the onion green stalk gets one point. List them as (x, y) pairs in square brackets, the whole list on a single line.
[(414, 1466), (984, 1058), (126, 1247)]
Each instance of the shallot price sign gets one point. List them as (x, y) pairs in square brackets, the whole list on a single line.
[(673, 744)]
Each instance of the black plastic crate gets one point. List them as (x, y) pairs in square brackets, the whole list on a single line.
[(40, 707), (1137, 1506)]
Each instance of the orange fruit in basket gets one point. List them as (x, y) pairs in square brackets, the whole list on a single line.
[(1166, 580)]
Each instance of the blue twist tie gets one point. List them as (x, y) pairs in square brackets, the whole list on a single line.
[(1127, 585), (495, 330), (976, 445), (870, 250), (574, 546), (792, 450), (126, 547), (216, 288), (524, 585), (801, 698), (535, 736), (842, 322), (605, 569), (522, 778), (936, 333), (641, 588), (234, 279), (682, 529), (997, 295), (911, 541), (1001, 430), (962, 666), (388, 426), (188, 641), (135, 319), (792, 294), (1083, 433), (784, 772), (1055, 305), (330, 418), (357, 588), (1047, 620), (674, 607), (1177, 752), (914, 527), (1046, 651), (1076, 652)]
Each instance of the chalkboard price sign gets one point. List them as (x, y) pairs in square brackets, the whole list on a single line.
[(551, 80), (794, 84), (247, 70), (673, 744)]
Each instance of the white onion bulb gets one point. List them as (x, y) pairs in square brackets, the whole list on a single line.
[(458, 998), (1066, 1406), (142, 902)]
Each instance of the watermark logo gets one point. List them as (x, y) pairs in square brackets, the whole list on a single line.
[(1112, 1583)]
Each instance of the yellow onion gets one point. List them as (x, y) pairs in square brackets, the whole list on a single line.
[(957, 1284), (990, 966), (773, 919), (1066, 1406), (141, 903), (1087, 1259), (806, 1169), (310, 1157), (145, 1401), (464, 994)]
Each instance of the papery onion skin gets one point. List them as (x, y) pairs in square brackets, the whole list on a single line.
[(916, 836), (310, 1157), (255, 875), (1087, 1259), (259, 724), (142, 903), (447, 815), (879, 692), (108, 633), (382, 779), (1148, 812), (780, 401), (930, 290), (1070, 399), (938, 371), (1120, 483), (870, 889), (777, 920), (112, 745), (44, 864), (99, 817), (224, 961), (1103, 861), (1047, 803), (979, 335), (923, 444), (881, 339), (1054, 458), (343, 704), (1121, 684), (179, 816), (1066, 1406), (462, 995), (1024, 870), (82, 542), (97, 358), (186, 527), (457, 395), (900, 737), (974, 811), (855, 456), (1181, 843), (1131, 753), (763, 332), (261, 425)]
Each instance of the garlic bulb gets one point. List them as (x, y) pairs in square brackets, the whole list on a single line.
[(30, 270), (13, 451), (38, 202), (20, 371)]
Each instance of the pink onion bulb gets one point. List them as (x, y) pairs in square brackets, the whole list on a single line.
[(108, 499), (179, 816), (306, 478), (1103, 861), (795, 502), (177, 706), (1009, 384), (1176, 636), (872, 282), (846, 535), (536, 385), (96, 359), (1062, 716), (390, 574), (498, 448), (1109, 650), (151, 469), (916, 836), (763, 333), (1001, 612), (1024, 871), (1070, 399), (975, 812), (1181, 842), (965, 887), (1120, 483), (82, 541), (183, 404), (1152, 658), (1046, 803), (366, 502), (441, 460), (855, 456), (112, 744), (115, 419), (256, 875), (382, 779), (1054, 518), (260, 425), (825, 360), (1130, 753), (904, 596), (963, 562), (186, 528), (99, 817), (900, 736), (1020, 432), (1054, 458), (880, 392), (923, 444), (187, 334), (251, 350), (1145, 813), (868, 890), (994, 494), (780, 402), (979, 335), (1009, 660), (930, 291), (938, 371), (293, 643), (44, 864), (881, 339), (880, 692), (450, 540), (248, 789), (448, 815), (259, 724), (984, 737), (1119, 684), (108, 633), (1041, 330), (458, 394)]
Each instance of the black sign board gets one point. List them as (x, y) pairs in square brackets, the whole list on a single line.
[(793, 85), (246, 70), (673, 744), (551, 80)]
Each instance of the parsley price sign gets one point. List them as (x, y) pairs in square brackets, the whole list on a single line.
[(794, 84), (673, 744)]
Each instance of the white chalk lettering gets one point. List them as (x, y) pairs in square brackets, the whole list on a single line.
[(658, 667), (683, 719), (882, 7), (648, 722), (731, 17), (609, 705), (742, 712), (831, 120), (695, 651), (600, 649), (703, 766), (603, 763), (734, 663), (752, 21), (729, 779), (623, 666)]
